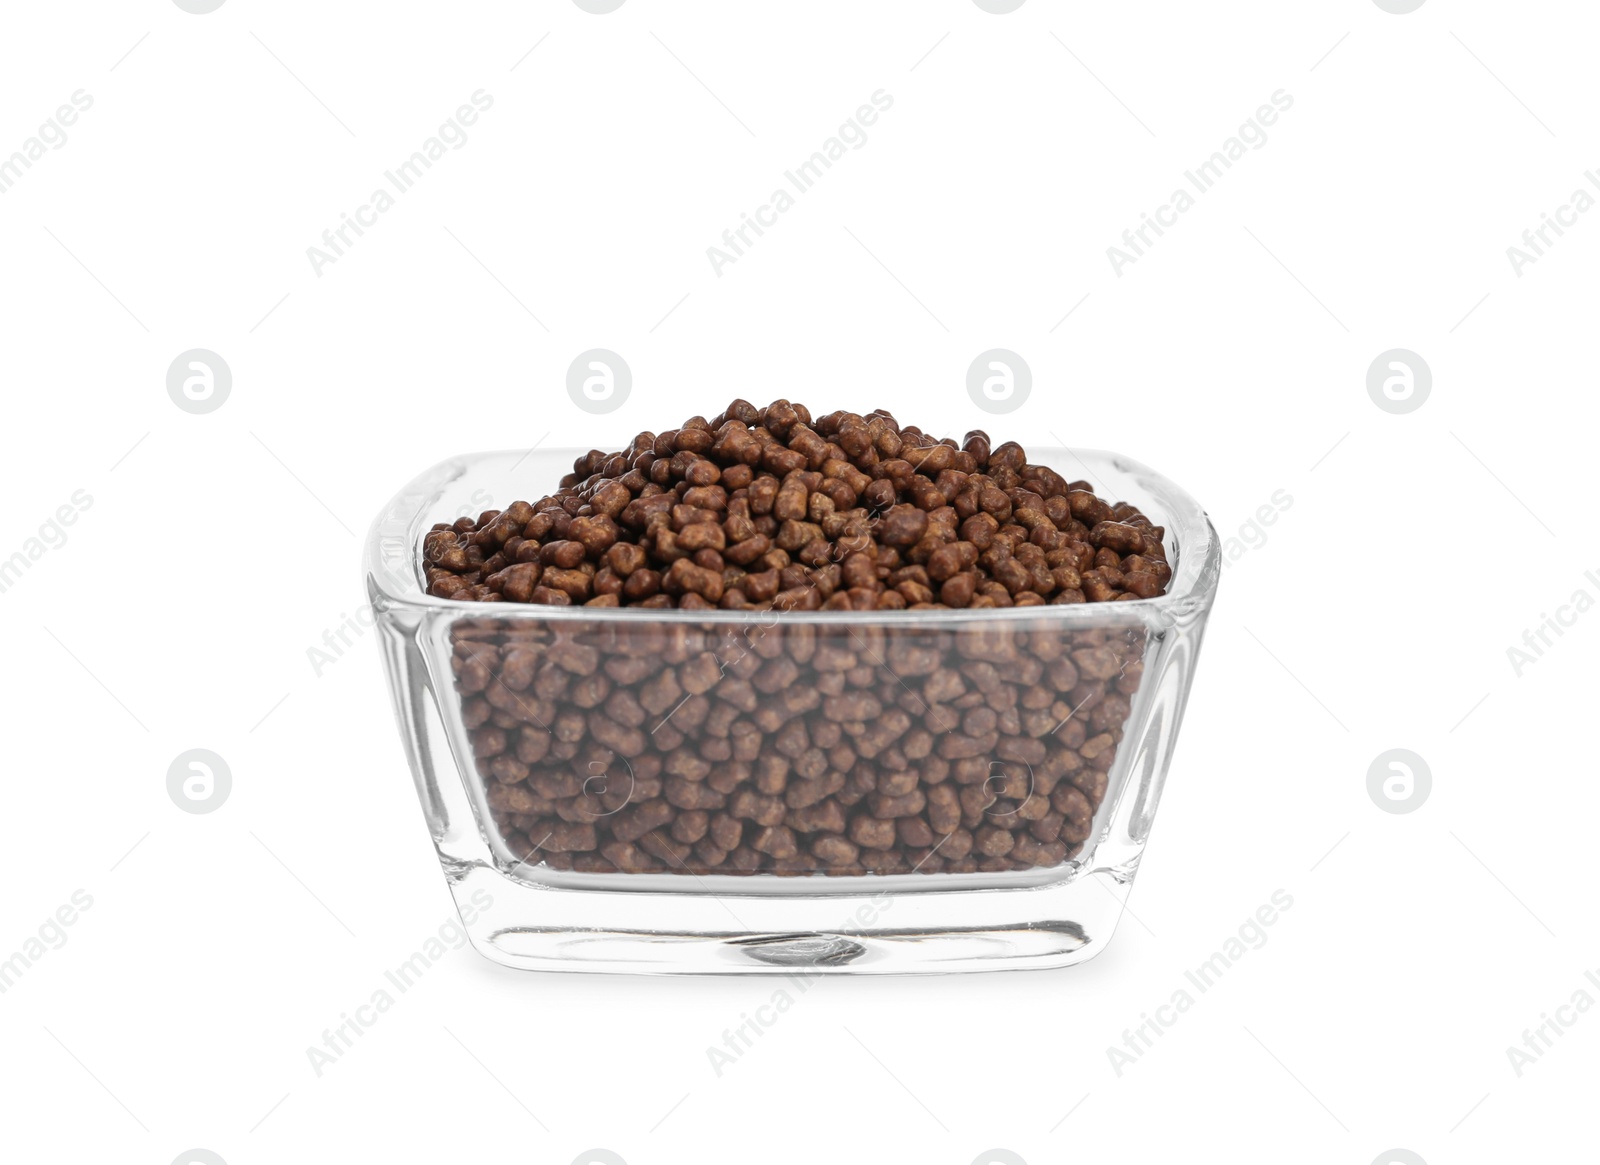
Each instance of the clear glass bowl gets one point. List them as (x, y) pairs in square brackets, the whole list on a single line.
[(626, 790)]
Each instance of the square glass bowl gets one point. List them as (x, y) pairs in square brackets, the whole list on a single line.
[(626, 790)]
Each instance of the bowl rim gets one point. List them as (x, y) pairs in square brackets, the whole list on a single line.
[(395, 537)]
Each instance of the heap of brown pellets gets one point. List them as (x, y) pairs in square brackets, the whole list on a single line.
[(766, 508), (773, 746)]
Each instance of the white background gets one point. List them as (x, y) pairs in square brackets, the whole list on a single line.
[(1377, 614)]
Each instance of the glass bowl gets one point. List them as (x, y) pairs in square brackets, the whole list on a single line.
[(627, 790)]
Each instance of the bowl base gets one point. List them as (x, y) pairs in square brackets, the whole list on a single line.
[(547, 928)]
